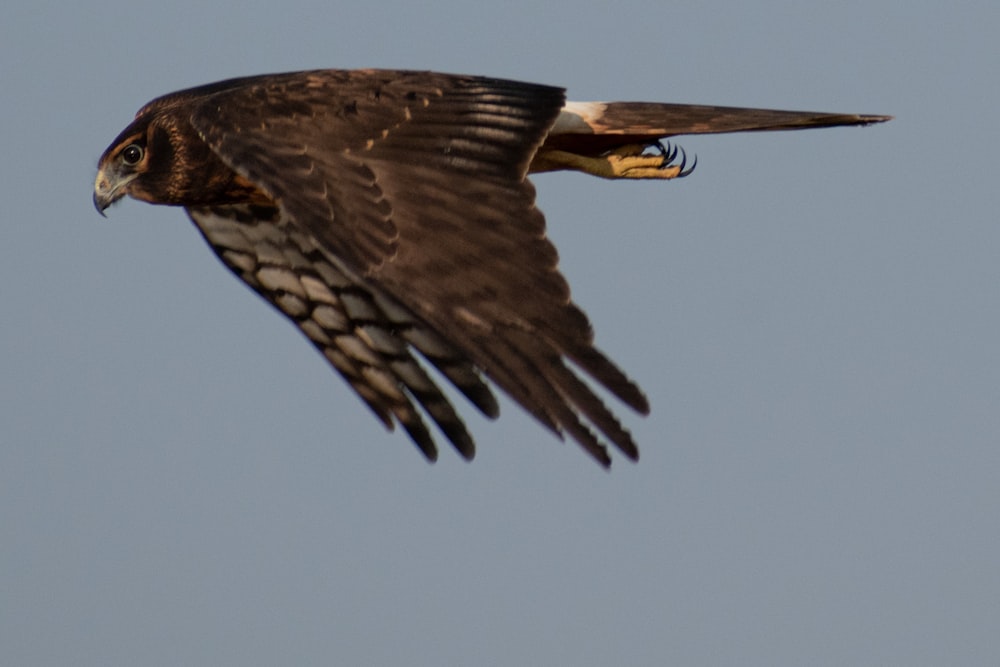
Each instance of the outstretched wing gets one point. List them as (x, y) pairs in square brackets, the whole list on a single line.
[(410, 189), (364, 333)]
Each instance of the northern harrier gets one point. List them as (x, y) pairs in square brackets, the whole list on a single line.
[(389, 215)]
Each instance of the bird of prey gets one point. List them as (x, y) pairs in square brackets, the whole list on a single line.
[(389, 215)]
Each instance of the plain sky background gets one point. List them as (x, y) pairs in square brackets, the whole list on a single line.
[(815, 317)]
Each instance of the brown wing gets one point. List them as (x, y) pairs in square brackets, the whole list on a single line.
[(414, 184), (364, 333)]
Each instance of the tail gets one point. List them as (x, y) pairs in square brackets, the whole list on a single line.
[(623, 139), (601, 126)]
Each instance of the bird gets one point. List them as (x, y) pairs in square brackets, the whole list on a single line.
[(390, 216)]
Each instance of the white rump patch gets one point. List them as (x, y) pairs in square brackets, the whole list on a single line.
[(579, 118)]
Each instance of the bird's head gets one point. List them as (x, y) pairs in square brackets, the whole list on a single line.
[(138, 163), (161, 159)]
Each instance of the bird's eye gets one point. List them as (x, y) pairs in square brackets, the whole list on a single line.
[(132, 154)]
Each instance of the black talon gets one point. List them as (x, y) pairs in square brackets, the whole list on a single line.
[(684, 159), (658, 147), (684, 172), (669, 153)]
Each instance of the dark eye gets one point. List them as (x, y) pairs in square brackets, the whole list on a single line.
[(132, 154)]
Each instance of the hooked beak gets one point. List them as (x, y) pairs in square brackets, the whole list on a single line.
[(101, 203), (108, 189)]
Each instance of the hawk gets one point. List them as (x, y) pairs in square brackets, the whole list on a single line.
[(389, 215)]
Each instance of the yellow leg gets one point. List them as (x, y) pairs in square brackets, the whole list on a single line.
[(629, 161)]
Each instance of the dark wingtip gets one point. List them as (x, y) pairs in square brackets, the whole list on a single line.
[(420, 436)]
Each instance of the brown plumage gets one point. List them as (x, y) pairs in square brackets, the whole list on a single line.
[(388, 213)]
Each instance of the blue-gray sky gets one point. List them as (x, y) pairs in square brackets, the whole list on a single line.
[(814, 316)]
